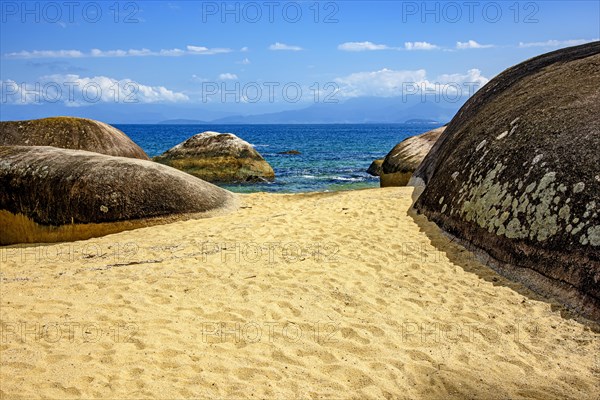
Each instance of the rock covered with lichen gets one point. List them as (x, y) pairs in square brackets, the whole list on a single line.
[(218, 157), (70, 133), (517, 174)]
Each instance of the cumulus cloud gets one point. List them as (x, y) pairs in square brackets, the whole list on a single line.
[(390, 83), (227, 76), (471, 44), (190, 50), (74, 90), (472, 76), (382, 83), (556, 43), (283, 46), (420, 46), (362, 46)]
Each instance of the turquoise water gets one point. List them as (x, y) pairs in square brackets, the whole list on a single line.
[(334, 157)]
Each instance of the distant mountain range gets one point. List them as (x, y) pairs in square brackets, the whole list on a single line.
[(182, 122), (353, 111), (421, 121)]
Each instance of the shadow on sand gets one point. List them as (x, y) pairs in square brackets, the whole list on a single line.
[(475, 260)]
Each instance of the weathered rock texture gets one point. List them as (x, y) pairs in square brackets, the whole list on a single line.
[(49, 194), (517, 174), (375, 167), (400, 163), (218, 157), (70, 133)]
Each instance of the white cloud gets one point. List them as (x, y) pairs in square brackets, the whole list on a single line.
[(244, 49), (382, 83), (245, 61), (472, 76), (369, 46), (283, 46), (556, 43), (207, 51), (108, 53), (471, 44), (190, 50), (198, 78), (74, 90), (47, 54), (165, 53), (390, 83), (362, 46), (227, 76), (420, 46)]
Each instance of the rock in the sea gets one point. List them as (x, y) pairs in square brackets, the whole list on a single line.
[(517, 174), (49, 194), (400, 163), (70, 133), (375, 167), (218, 157), (290, 152)]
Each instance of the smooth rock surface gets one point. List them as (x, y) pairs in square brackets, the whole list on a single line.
[(218, 157), (49, 194), (70, 133), (517, 174), (400, 163), (375, 167)]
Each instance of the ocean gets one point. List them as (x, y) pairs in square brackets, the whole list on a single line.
[(334, 157)]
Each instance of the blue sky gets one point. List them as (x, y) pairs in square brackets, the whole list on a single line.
[(182, 54)]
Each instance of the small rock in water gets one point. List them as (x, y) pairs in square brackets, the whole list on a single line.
[(290, 152)]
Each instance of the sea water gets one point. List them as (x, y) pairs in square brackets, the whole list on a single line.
[(334, 157)]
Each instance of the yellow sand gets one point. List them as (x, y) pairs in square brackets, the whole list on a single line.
[(378, 304)]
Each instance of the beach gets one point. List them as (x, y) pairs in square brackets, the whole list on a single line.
[(321, 295)]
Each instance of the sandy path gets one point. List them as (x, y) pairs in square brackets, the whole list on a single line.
[(294, 296)]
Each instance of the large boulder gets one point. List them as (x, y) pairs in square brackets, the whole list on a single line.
[(375, 167), (218, 157), (70, 133), (517, 174), (49, 194), (400, 163)]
